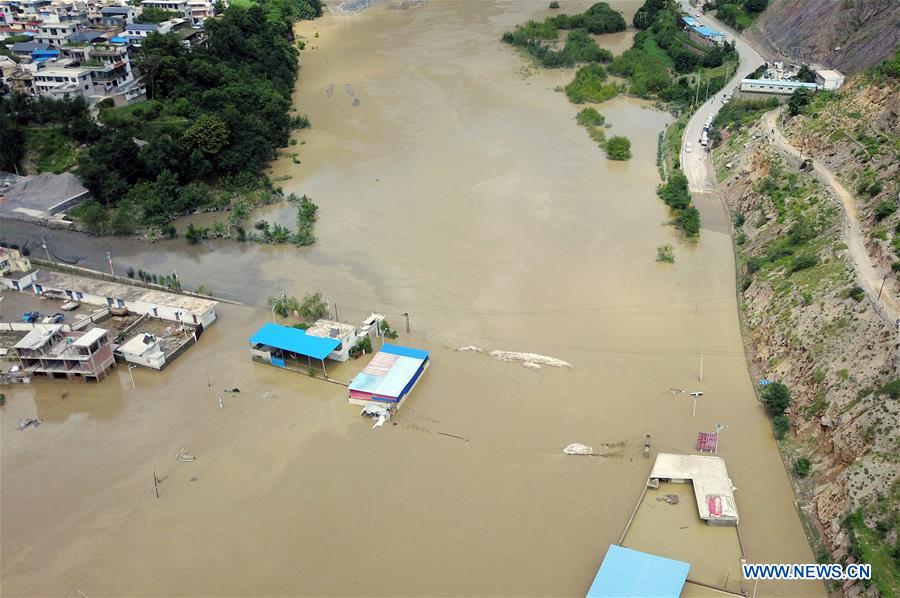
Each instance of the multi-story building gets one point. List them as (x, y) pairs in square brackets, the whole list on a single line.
[(117, 16), (49, 351), (15, 270), (63, 82), (55, 30), (179, 6)]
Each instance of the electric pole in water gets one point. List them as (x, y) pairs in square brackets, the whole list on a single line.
[(109, 259), (406, 315)]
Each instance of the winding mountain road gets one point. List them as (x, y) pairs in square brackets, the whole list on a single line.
[(870, 276)]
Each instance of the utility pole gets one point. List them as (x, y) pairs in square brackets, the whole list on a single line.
[(130, 373), (335, 312), (701, 365), (156, 483), (882, 286), (719, 428), (406, 315), (109, 259)]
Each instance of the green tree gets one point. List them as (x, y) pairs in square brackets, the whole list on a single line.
[(208, 134), (155, 15), (802, 467), (313, 307), (92, 216), (618, 148), (777, 398), (799, 99), (12, 144)]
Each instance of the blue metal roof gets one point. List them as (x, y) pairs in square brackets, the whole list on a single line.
[(404, 351), (115, 10), (143, 27), (706, 31), (690, 20), (626, 572), (295, 341)]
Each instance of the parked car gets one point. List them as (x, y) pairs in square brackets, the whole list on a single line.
[(688, 147), (56, 318), (726, 98), (30, 317), (70, 305)]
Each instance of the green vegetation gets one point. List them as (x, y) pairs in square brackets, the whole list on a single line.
[(152, 14), (386, 330), (47, 130), (50, 149), (891, 389), (777, 398), (874, 547), (554, 4), (781, 424), (856, 293), (739, 14), (799, 99), (737, 114), (665, 253), (676, 195), (802, 467), (885, 208), (589, 117), (618, 148), (212, 121), (590, 85), (662, 51), (313, 307), (580, 46)]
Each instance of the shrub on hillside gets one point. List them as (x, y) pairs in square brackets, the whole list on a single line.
[(777, 398)]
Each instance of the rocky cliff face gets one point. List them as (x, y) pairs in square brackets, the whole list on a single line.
[(848, 35), (810, 329)]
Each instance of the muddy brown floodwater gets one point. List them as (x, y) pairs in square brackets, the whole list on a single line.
[(459, 190)]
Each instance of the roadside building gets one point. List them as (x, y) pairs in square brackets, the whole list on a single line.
[(177, 6), (345, 333), (774, 86), (702, 34), (184, 309), (63, 82), (389, 377), (16, 272), (51, 352), (829, 79), (143, 349)]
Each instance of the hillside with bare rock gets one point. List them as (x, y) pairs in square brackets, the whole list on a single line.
[(848, 35), (810, 326)]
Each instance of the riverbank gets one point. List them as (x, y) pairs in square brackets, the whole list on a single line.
[(467, 196)]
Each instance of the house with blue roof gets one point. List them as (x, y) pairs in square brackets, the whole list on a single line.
[(627, 573), (702, 34), (389, 377)]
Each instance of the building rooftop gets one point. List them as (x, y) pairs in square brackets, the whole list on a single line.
[(829, 74), (781, 82), (139, 344), (37, 337), (294, 340), (88, 35), (706, 31), (390, 372), (116, 10), (143, 27), (330, 329), (116, 290), (713, 489), (626, 572), (90, 337), (29, 46)]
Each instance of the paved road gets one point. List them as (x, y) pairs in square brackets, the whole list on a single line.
[(869, 274), (696, 164)]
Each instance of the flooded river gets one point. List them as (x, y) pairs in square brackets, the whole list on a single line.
[(460, 190)]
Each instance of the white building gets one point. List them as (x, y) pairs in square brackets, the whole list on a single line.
[(143, 349), (775, 86), (179, 6), (156, 304), (346, 333), (829, 79), (59, 83), (16, 272), (55, 32)]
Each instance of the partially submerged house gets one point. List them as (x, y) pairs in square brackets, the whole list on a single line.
[(345, 333), (389, 377), (713, 489), (291, 348), (16, 272), (626, 572), (53, 352), (143, 349)]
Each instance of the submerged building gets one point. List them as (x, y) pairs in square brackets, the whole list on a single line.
[(389, 377), (53, 352)]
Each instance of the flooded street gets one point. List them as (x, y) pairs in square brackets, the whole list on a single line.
[(459, 190)]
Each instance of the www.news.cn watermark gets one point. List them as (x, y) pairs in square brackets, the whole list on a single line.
[(832, 571)]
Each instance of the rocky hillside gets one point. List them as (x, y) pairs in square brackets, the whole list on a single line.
[(810, 327), (848, 35)]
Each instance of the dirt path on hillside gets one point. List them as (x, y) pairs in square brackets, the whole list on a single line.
[(869, 274)]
